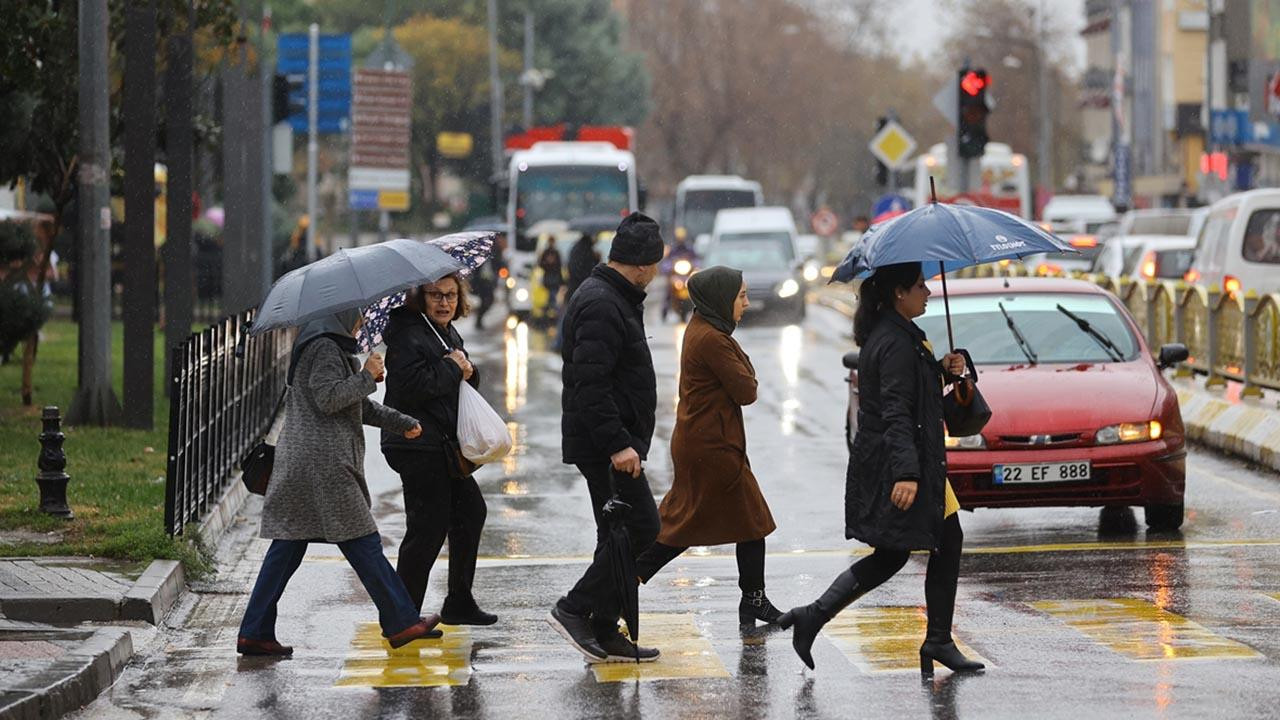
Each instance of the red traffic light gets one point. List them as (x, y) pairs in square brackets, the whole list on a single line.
[(974, 82)]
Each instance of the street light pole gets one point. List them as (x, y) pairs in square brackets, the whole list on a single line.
[(1044, 149), (495, 92)]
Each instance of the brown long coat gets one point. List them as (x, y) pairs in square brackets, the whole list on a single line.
[(714, 498)]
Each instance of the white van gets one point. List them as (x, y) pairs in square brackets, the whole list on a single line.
[(761, 242), (1078, 213), (1239, 246)]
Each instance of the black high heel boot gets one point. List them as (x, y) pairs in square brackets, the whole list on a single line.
[(755, 606), (809, 619), (943, 649)]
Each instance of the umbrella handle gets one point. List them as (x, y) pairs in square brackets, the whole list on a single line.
[(946, 301)]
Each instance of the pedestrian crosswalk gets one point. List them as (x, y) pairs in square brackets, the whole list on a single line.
[(686, 653), (425, 663), (1142, 631), (884, 639)]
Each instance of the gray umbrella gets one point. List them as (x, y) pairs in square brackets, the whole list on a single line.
[(351, 278)]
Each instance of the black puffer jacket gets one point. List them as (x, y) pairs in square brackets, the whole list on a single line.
[(421, 381), (900, 437), (610, 392)]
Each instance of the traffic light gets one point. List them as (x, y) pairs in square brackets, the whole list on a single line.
[(971, 125), (288, 96), (882, 170)]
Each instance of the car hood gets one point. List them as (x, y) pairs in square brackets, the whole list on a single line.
[(1059, 399), (765, 278)]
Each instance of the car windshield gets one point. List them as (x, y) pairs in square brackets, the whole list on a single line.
[(568, 192), (1053, 336), (753, 251), (701, 206), (1161, 224)]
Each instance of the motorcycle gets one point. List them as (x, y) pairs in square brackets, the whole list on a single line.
[(678, 301)]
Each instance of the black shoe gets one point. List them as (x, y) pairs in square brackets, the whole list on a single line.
[(755, 606), (621, 650), (577, 630), (948, 654), (464, 613), (809, 619)]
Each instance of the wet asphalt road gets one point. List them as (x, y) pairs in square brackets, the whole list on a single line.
[(1078, 613)]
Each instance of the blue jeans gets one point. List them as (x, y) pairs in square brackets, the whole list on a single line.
[(395, 610)]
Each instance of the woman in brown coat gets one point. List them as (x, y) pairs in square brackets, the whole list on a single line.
[(714, 498)]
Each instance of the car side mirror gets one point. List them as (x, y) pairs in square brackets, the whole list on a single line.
[(1172, 354), (850, 359)]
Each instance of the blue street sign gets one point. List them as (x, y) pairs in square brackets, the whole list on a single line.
[(1229, 127), (363, 199), (333, 101)]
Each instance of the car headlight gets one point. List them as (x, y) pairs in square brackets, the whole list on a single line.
[(511, 283), (788, 288), (966, 442), (522, 295), (1129, 432), (811, 272), (682, 267)]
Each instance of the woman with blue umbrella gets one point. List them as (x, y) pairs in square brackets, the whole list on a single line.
[(897, 497)]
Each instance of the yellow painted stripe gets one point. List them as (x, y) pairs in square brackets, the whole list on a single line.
[(686, 653), (883, 639), (1142, 631), (422, 663)]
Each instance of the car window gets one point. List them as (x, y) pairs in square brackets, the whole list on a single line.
[(1161, 225), (1054, 337), (1262, 237), (1212, 243), (1131, 258), (753, 251), (1173, 264)]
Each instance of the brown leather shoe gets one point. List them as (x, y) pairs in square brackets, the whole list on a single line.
[(250, 646), (421, 629)]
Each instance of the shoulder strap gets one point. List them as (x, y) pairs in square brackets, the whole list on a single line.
[(432, 325)]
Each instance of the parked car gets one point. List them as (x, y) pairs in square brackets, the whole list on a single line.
[(1082, 414), (761, 242), (1239, 247), (1125, 255), (1160, 221)]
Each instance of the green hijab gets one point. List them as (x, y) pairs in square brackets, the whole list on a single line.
[(713, 292)]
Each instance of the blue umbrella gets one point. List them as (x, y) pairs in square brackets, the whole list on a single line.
[(953, 236)]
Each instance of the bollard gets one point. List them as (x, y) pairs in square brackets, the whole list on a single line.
[(53, 461), (1215, 380), (1250, 329)]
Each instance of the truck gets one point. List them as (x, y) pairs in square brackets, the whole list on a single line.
[(552, 182)]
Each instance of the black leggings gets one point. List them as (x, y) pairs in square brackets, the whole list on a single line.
[(750, 562), (940, 578)]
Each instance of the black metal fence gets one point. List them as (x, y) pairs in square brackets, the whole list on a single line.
[(221, 403)]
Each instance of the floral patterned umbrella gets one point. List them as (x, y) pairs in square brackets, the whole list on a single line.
[(471, 249)]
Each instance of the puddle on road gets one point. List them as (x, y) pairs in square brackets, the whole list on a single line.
[(423, 663), (1142, 631), (686, 653), (884, 639)]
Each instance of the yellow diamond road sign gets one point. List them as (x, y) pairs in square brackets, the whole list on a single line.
[(893, 145)]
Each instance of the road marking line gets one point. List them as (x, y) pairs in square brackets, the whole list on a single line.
[(686, 653), (422, 663), (884, 639), (1142, 631), (1256, 492)]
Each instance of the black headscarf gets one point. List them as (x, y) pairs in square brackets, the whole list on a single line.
[(714, 292), (336, 327)]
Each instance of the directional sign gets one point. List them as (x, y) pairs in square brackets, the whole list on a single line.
[(948, 102), (893, 145), (333, 102), (381, 116), (824, 222)]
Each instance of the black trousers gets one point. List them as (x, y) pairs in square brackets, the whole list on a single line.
[(438, 507), (940, 578), (750, 562), (595, 593)]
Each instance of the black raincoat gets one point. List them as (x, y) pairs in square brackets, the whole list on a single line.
[(900, 437)]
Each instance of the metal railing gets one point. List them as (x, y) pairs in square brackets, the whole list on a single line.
[(221, 403), (1230, 336)]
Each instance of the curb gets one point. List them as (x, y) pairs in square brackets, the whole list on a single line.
[(221, 516), (147, 600), (73, 681)]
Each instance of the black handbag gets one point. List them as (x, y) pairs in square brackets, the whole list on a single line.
[(256, 465), (964, 410)]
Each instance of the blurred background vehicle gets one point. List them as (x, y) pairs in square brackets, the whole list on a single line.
[(1239, 248), (700, 197), (762, 243)]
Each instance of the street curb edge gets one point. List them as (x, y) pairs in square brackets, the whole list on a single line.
[(74, 681)]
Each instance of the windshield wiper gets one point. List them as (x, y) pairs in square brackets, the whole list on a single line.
[(1112, 351), (1023, 345)]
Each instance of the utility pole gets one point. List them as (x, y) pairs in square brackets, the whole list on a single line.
[(527, 114), (95, 402), (313, 143), (179, 149), (1044, 169), (265, 271), (495, 92)]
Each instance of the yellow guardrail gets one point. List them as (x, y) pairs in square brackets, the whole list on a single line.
[(1230, 336)]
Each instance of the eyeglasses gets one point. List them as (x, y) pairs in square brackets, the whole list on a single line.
[(439, 297)]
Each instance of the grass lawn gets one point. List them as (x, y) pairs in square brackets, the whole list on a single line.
[(117, 475)]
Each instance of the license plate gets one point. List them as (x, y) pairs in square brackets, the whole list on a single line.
[(1050, 472)]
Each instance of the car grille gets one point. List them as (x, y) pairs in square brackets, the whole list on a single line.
[(1041, 440)]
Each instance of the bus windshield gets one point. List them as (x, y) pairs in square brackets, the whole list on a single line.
[(568, 192), (698, 214)]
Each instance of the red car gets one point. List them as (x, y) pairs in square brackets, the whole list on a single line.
[(1081, 412)]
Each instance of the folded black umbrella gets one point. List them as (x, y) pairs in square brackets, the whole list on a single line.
[(622, 566)]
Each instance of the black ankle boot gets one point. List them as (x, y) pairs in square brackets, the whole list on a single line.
[(755, 606), (465, 612), (809, 619), (943, 649)]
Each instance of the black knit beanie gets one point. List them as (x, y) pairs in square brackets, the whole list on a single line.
[(638, 241)]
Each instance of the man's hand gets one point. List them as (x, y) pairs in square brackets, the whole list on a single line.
[(627, 461), (413, 432), (903, 494), (375, 366)]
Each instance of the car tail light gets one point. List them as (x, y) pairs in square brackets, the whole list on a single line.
[(1084, 241), (1149, 266), (1129, 433), (1048, 269), (1192, 276), (1231, 285)]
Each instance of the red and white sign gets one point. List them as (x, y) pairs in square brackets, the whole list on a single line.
[(1273, 94), (824, 222)]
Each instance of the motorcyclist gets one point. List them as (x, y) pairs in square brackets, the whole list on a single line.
[(679, 250)]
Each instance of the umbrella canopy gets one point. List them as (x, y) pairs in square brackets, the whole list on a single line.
[(622, 565), (471, 249), (351, 278), (955, 235)]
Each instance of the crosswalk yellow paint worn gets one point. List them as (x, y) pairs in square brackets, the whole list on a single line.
[(686, 653), (1142, 631), (422, 663), (883, 639)]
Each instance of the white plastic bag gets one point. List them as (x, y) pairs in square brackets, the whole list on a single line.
[(482, 434)]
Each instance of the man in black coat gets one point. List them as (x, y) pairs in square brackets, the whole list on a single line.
[(608, 402)]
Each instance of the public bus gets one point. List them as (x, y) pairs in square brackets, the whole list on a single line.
[(1004, 184)]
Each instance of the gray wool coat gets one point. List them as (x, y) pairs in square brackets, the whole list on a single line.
[(317, 490)]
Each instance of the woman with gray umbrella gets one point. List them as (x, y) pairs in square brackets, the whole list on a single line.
[(318, 491)]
